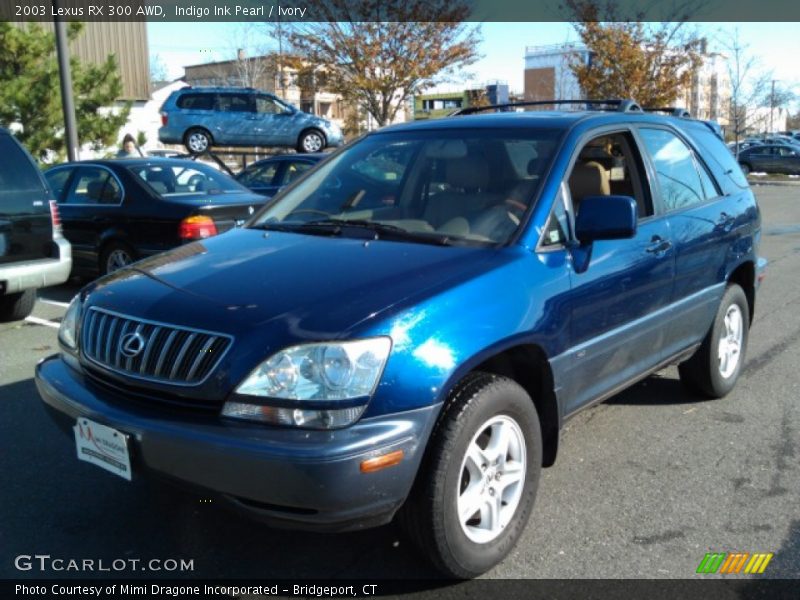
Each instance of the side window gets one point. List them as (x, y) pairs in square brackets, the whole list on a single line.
[(609, 165), (17, 172), (555, 233), (58, 179), (294, 170), (196, 102), (93, 185), (676, 170), (260, 174), (266, 105), (235, 103)]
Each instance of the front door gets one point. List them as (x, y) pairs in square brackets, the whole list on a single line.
[(619, 287)]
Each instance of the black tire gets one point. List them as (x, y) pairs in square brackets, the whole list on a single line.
[(15, 307), (746, 168), (703, 373), (198, 140), (110, 252), (311, 141), (430, 515)]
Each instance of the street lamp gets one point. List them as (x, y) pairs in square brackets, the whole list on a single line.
[(65, 77)]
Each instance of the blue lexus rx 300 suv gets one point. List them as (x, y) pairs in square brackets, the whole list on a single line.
[(405, 329)]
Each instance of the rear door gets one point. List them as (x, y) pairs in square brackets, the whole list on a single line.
[(788, 160), (90, 205), (235, 119), (702, 222), (26, 232)]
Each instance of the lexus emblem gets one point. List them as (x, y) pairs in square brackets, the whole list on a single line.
[(131, 344)]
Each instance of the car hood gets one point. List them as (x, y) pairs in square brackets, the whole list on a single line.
[(315, 287)]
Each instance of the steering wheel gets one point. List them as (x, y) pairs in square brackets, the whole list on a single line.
[(515, 207), (196, 182)]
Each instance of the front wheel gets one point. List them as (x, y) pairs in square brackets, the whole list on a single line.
[(745, 168), (311, 141), (715, 367), (478, 483)]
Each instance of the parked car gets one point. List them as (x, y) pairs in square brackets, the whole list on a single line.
[(268, 176), (329, 366), (771, 159), (203, 117), (743, 145), (117, 211), (33, 253)]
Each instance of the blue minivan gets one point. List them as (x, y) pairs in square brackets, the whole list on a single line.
[(404, 330), (202, 117)]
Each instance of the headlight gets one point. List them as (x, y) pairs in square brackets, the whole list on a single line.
[(314, 385), (68, 332)]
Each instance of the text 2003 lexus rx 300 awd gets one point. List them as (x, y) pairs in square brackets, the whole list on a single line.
[(405, 329)]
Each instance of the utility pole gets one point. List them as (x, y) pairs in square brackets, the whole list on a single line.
[(65, 77), (771, 107)]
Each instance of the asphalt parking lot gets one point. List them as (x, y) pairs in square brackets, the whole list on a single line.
[(645, 484)]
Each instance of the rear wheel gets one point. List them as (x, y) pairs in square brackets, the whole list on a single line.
[(311, 141), (197, 140), (745, 168), (715, 367), (476, 488), (15, 307), (116, 255)]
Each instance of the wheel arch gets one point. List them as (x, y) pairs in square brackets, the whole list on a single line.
[(315, 128), (526, 364), (744, 275)]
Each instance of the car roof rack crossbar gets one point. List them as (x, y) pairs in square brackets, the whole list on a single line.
[(619, 105), (674, 111)]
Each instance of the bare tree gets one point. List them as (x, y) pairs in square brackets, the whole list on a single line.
[(377, 55), (750, 86), (253, 60)]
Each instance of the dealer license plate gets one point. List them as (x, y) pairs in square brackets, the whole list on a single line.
[(103, 446)]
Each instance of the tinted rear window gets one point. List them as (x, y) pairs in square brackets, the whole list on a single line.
[(718, 157), (196, 101), (16, 170)]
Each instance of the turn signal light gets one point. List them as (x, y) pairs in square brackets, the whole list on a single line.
[(164, 119), (381, 462), (197, 228)]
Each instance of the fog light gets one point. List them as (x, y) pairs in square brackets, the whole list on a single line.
[(295, 417)]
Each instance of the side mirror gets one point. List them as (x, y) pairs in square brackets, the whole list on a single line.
[(605, 218)]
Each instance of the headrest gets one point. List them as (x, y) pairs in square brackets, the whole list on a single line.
[(588, 179), (468, 173), (93, 190)]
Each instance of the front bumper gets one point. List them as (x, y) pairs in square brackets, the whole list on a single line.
[(36, 274), (287, 477)]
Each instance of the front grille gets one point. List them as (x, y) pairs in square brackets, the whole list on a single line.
[(150, 350)]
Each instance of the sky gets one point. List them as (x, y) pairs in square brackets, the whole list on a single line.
[(777, 45)]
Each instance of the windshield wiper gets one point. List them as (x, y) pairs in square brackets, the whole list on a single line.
[(336, 226), (383, 230)]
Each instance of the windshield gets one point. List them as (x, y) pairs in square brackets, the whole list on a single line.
[(172, 179), (465, 186)]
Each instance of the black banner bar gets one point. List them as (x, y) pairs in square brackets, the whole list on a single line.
[(479, 589), (389, 10)]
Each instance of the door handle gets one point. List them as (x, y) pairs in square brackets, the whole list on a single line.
[(658, 245)]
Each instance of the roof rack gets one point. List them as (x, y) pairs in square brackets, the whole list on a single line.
[(673, 111), (619, 105)]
